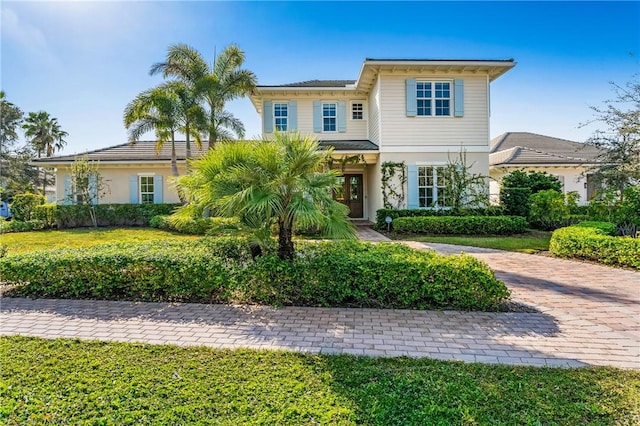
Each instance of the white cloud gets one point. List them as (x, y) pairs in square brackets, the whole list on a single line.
[(26, 38)]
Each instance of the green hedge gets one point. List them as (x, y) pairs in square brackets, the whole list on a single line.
[(21, 226), (221, 270), (202, 226), (593, 243), (74, 216), (23, 206), (382, 214), (469, 225)]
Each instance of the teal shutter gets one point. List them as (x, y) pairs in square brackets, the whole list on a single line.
[(93, 189), (458, 97), (157, 190), (133, 189), (317, 116), (267, 117), (68, 191), (293, 116), (412, 186), (412, 102), (342, 116)]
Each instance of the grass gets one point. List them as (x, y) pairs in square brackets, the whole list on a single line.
[(72, 381), (531, 242), (84, 237)]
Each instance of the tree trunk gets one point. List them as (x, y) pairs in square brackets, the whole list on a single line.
[(212, 129), (44, 182), (188, 143), (174, 162), (285, 241)]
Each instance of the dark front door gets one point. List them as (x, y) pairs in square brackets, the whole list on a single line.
[(350, 193)]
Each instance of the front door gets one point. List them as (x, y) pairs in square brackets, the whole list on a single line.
[(350, 193)]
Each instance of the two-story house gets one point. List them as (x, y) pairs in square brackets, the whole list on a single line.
[(420, 112)]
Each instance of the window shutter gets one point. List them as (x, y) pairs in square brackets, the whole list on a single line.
[(267, 117), (317, 116), (93, 189), (412, 102), (293, 116), (412, 186), (458, 97), (68, 192), (133, 189), (157, 190), (342, 116)]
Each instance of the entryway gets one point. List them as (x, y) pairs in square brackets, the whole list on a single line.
[(351, 194)]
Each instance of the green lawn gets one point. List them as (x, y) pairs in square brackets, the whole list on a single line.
[(70, 381), (27, 241), (531, 242)]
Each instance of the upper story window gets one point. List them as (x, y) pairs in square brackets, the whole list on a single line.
[(329, 117), (357, 111), (146, 190), (432, 187), (281, 116), (433, 98)]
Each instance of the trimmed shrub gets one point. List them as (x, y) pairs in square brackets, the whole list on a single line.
[(607, 228), (221, 270), (548, 210), (382, 214), (593, 243), (516, 201), (23, 206), (211, 226), (47, 214), (469, 225), (21, 226)]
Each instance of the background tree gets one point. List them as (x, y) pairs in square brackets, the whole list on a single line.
[(464, 189), (10, 121), (517, 187), (270, 183), (44, 134), (619, 162), (87, 185), (215, 85)]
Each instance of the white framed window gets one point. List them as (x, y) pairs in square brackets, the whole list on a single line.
[(433, 98), (281, 116), (147, 189), (357, 110), (432, 187), (329, 117)]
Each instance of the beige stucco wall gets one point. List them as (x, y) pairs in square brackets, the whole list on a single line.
[(116, 180), (570, 176)]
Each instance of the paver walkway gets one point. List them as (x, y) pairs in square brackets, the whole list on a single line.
[(588, 315)]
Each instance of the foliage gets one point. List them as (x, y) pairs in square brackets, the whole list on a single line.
[(24, 205), (10, 120), (221, 270), (621, 208), (464, 189), (381, 214), (619, 142), (21, 226), (199, 226), (517, 187), (74, 216), (607, 228), (393, 178), (466, 225), (215, 85), (548, 210), (44, 133), (87, 186), (86, 382), (594, 244), (269, 183), (47, 214), (530, 242)]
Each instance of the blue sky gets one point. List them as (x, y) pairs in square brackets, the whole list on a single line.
[(83, 61)]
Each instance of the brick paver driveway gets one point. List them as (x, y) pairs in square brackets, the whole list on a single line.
[(587, 315)]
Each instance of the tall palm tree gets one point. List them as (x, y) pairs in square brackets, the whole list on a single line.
[(217, 84), (193, 119), (43, 132), (277, 182), (157, 110)]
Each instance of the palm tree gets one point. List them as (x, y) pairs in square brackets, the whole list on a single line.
[(192, 116), (270, 182), (10, 119), (157, 110), (45, 135), (215, 85)]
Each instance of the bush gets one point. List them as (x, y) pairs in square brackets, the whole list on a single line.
[(516, 201), (548, 210), (607, 228), (469, 225), (221, 270), (23, 206), (159, 221), (21, 226), (518, 186), (593, 243), (382, 214), (211, 226), (47, 214)]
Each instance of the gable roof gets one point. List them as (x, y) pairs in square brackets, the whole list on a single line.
[(317, 83), (141, 151), (524, 148)]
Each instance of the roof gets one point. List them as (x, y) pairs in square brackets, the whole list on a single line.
[(349, 145), (436, 60), (317, 83), (141, 151), (524, 148)]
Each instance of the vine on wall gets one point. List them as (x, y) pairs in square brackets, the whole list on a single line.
[(345, 160), (393, 188)]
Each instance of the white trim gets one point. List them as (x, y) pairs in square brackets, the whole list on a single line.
[(431, 163), (322, 116), (364, 110), (433, 99), (433, 148), (273, 114), (153, 186), (146, 174)]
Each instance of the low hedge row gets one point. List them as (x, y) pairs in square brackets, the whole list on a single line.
[(202, 226), (593, 243), (221, 270), (74, 216), (382, 214), (21, 226), (477, 225)]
